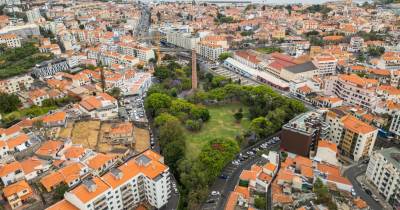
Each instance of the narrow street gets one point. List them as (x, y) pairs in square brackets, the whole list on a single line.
[(352, 173)]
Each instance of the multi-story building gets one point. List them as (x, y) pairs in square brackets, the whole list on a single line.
[(102, 106), (256, 74), (356, 44), (33, 15), (353, 89), (390, 61), (142, 53), (10, 2), (216, 40), (247, 58), (333, 118), (326, 64), (21, 30), (16, 84), (18, 193), (143, 178), (384, 172), (141, 82), (305, 70), (210, 51), (355, 138), (181, 39), (49, 68), (395, 124), (112, 58), (301, 134), (36, 97), (10, 40), (11, 173)]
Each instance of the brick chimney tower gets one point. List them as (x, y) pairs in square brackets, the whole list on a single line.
[(194, 70)]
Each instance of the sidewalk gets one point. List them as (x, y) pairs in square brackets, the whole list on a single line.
[(362, 180)]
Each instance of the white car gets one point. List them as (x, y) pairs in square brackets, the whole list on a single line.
[(215, 193), (353, 193)]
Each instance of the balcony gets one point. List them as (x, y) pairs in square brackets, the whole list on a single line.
[(126, 195), (100, 202), (102, 205)]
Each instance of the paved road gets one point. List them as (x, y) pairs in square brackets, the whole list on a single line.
[(384, 143), (173, 200), (352, 173), (143, 26)]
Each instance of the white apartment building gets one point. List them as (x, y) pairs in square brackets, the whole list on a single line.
[(111, 58), (21, 30), (11, 173), (138, 85), (10, 40), (216, 40), (10, 2), (247, 59), (182, 39), (210, 51), (142, 53), (355, 138), (384, 172), (395, 124), (16, 84), (33, 15), (143, 178), (356, 44), (353, 89), (326, 64)]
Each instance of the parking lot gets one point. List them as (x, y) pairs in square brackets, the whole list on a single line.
[(135, 108)]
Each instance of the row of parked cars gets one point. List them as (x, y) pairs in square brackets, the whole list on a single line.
[(242, 157), (134, 106), (364, 187)]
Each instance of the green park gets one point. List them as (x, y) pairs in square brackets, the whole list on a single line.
[(202, 130)]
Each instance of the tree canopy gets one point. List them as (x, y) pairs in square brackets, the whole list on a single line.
[(9, 103)]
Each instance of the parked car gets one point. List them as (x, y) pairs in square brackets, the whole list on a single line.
[(353, 193), (375, 198), (215, 193), (368, 191), (223, 176)]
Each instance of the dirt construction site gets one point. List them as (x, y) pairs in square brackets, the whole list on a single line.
[(88, 133)]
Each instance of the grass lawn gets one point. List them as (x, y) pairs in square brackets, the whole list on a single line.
[(222, 124), (28, 112), (268, 50)]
